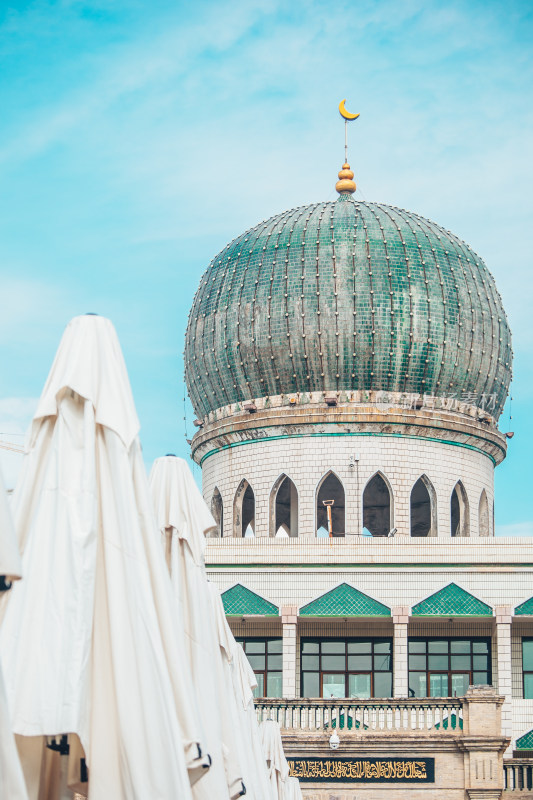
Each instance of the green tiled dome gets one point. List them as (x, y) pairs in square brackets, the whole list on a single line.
[(347, 295)]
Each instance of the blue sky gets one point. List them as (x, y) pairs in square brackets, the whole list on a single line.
[(137, 138)]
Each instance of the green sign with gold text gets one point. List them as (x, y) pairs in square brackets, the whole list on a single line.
[(364, 770)]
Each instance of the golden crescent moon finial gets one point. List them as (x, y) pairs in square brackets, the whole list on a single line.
[(346, 114)]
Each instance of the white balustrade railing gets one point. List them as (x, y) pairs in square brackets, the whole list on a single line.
[(518, 775), (412, 714)]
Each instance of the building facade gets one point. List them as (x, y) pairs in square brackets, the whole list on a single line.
[(348, 363)]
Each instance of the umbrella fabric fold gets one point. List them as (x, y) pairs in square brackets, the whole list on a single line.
[(90, 643), (11, 778), (292, 789)]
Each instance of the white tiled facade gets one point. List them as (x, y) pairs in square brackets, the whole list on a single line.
[(354, 460)]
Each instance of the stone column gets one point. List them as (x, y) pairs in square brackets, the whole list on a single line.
[(400, 619), (482, 743), (504, 616), (289, 622)]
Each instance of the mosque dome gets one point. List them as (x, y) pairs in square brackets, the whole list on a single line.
[(347, 295)]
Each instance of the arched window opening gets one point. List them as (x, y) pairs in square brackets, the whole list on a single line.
[(244, 511), (217, 510), (377, 507), (460, 522), (282, 532), (330, 510), (284, 508), (484, 522), (423, 511)]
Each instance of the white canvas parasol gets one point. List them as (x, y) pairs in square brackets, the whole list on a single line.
[(275, 757), (90, 644), (11, 779), (183, 521)]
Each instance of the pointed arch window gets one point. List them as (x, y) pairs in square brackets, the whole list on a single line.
[(484, 521), (423, 508), (459, 511), (330, 507), (244, 511), (217, 510), (284, 508), (377, 506)]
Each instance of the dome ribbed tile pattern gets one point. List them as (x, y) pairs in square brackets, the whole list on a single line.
[(347, 295)]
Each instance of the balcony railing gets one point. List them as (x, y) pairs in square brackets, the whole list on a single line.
[(442, 715), (518, 775)]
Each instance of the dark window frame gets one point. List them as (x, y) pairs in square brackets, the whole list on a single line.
[(243, 640), (526, 671), (450, 672), (346, 672)]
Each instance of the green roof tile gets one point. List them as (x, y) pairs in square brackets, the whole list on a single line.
[(525, 608), (347, 295), (239, 600), (525, 742), (452, 601), (344, 601)]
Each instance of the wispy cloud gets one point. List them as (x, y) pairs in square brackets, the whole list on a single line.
[(515, 529)]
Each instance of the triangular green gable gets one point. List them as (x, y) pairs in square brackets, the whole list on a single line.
[(525, 742), (239, 601), (525, 608), (452, 601), (344, 601)]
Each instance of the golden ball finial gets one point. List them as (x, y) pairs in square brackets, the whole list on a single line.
[(345, 184)]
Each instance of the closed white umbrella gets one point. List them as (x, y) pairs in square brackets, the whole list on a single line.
[(292, 789), (89, 642), (11, 779), (183, 521), (244, 727), (277, 763)]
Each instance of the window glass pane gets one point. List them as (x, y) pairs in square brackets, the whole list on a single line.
[(360, 647), (333, 685), (417, 662), (360, 662), (310, 662), (274, 646), (437, 646), (333, 647), (383, 684), (480, 678), (528, 686), (417, 647), (255, 646), (460, 646), (460, 684), (438, 662), (359, 686), (311, 684), (274, 684), (480, 662), (417, 684), (257, 662), (461, 662), (382, 662), (309, 647), (383, 647), (480, 647), (438, 685), (527, 654), (274, 661), (259, 690), (334, 662)]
